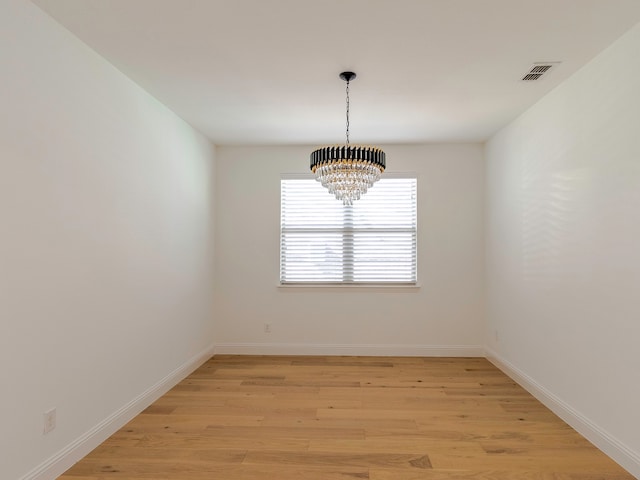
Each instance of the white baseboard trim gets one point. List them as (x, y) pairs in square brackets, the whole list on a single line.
[(615, 449), (56, 465), (349, 350)]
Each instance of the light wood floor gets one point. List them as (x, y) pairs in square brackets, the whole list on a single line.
[(346, 418)]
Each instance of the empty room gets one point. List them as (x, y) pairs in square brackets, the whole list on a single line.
[(321, 240)]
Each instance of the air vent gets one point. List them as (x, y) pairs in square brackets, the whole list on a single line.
[(537, 70)]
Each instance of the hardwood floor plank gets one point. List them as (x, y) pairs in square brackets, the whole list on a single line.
[(457, 474), (398, 445), (218, 418), (288, 432), (365, 460), (338, 423), (206, 440)]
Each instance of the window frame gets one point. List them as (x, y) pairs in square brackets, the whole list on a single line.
[(348, 218)]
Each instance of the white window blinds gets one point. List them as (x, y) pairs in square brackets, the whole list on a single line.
[(373, 241)]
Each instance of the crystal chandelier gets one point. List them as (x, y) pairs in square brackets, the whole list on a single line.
[(348, 171)]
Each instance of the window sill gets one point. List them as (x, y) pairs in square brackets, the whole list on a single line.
[(398, 287)]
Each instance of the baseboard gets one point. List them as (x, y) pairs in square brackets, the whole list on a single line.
[(615, 449), (349, 350), (56, 465)]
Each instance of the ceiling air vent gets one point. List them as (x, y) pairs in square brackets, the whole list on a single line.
[(537, 70)]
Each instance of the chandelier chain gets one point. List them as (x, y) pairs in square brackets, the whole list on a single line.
[(347, 112)]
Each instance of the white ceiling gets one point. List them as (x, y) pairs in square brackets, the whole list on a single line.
[(266, 71)]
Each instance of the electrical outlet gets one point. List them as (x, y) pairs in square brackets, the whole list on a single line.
[(49, 420), (267, 328)]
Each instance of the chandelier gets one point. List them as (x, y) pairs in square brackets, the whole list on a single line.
[(348, 171)]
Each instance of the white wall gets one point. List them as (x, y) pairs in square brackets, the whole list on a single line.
[(563, 237), (105, 241), (443, 316)]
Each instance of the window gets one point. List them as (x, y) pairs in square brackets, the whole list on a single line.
[(373, 241)]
